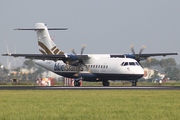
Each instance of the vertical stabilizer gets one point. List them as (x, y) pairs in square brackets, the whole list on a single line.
[(46, 45)]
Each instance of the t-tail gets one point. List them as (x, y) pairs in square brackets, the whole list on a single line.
[(46, 44)]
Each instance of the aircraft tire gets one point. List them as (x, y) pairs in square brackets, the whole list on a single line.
[(76, 83), (134, 82), (105, 83)]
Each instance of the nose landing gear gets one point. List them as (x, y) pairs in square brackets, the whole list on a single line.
[(134, 82)]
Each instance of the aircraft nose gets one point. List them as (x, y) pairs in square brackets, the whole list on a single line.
[(139, 70)]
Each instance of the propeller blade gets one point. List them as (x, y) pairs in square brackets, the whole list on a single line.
[(76, 75), (73, 62), (72, 50), (67, 63), (83, 47), (132, 49), (80, 60), (142, 48), (149, 59), (137, 56), (87, 67)]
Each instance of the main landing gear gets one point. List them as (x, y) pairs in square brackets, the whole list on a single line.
[(77, 83), (134, 82), (105, 83)]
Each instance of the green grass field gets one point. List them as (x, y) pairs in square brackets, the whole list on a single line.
[(126, 83), (90, 104)]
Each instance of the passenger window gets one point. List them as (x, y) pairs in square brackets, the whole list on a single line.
[(96, 66), (106, 66), (131, 63), (101, 66), (126, 63), (93, 66)]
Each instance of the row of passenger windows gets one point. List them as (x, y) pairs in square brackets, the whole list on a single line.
[(106, 66), (130, 63), (97, 66)]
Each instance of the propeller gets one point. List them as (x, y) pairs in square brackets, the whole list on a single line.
[(80, 60), (137, 57), (149, 59)]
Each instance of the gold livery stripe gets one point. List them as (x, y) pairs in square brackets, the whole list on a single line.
[(56, 51), (53, 48), (61, 53), (44, 47), (42, 51)]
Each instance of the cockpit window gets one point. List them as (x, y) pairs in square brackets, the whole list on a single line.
[(131, 63), (126, 63), (137, 63)]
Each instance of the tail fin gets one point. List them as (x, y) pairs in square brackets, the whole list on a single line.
[(46, 45)]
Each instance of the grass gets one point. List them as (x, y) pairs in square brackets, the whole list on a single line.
[(90, 104), (126, 83)]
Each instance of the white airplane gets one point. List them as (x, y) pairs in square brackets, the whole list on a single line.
[(89, 67)]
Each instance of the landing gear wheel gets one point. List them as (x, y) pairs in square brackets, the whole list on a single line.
[(105, 83), (76, 83), (134, 82)]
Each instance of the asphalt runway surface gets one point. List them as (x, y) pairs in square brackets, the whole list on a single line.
[(90, 88)]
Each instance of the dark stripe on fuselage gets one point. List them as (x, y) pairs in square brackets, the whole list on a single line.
[(104, 76)]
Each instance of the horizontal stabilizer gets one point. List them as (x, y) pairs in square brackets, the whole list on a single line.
[(40, 29)]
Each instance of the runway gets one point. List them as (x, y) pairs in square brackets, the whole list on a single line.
[(90, 88)]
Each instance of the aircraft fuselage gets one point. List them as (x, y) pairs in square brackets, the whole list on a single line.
[(101, 68)]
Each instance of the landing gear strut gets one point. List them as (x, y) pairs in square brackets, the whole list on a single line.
[(105, 83), (76, 83), (134, 82)]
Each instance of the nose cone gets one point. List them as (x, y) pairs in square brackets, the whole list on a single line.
[(138, 72), (141, 71)]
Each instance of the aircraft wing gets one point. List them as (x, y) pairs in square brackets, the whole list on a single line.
[(143, 56), (68, 58), (47, 56), (156, 54)]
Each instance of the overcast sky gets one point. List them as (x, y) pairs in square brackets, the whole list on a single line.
[(105, 26)]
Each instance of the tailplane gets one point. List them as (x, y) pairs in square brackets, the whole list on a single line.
[(46, 44)]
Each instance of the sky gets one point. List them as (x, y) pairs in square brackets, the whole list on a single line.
[(105, 26)]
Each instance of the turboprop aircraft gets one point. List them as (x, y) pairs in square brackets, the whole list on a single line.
[(86, 67)]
